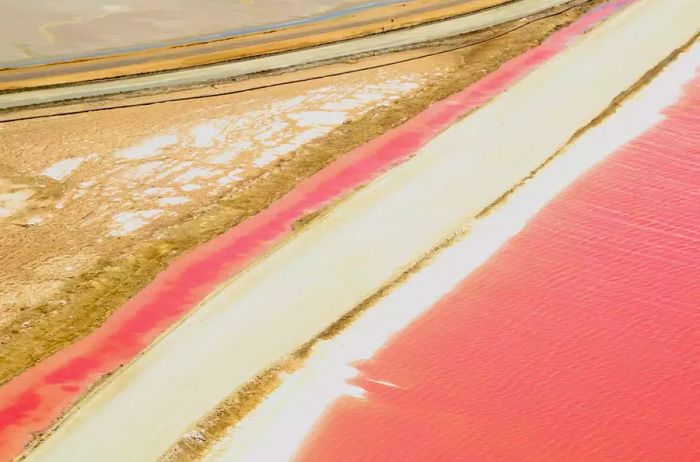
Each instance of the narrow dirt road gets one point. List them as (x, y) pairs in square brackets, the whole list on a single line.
[(294, 57)]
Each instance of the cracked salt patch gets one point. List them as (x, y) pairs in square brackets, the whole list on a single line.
[(156, 191), (291, 103), (36, 220), (147, 148), (146, 169), (179, 166), (13, 202), (127, 222), (207, 133), (368, 97), (272, 154), (173, 200), (346, 104), (213, 153), (275, 127), (234, 151), (196, 173), (319, 118), (63, 168), (308, 135), (231, 177)]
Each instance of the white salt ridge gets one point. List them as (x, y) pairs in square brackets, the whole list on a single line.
[(62, 169), (127, 222), (148, 148)]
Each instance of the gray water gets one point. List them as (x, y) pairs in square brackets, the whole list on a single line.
[(39, 31)]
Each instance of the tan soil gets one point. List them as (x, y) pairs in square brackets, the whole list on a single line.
[(63, 277)]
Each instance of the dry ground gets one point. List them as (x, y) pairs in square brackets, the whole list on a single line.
[(93, 205)]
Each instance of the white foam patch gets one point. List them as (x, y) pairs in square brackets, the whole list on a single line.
[(127, 222), (63, 169), (148, 148), (191, 187), (288, 415)]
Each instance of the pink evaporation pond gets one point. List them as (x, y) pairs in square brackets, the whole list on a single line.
[(578, 341), (32, 401)]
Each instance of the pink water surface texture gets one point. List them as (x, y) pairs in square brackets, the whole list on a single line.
[(578, 341), (32, 401)]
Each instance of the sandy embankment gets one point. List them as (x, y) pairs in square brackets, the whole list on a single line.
[(149, 182), (134, 416), (587, 315), (342, 378), (86, 295)]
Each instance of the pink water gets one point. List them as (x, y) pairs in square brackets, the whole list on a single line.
[(30, 402), (578, 341)]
